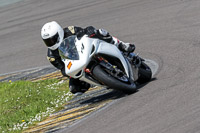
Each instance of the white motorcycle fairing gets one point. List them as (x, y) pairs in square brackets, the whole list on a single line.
[(86, 48), (100, 63)]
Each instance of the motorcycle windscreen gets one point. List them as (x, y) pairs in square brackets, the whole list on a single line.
[(67, 49)]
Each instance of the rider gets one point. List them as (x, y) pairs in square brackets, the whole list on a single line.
[(53, 34)]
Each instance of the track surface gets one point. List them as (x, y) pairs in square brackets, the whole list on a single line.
[(164, 31)]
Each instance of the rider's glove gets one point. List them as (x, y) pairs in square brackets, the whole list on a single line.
[(80, 34), (91, 31)]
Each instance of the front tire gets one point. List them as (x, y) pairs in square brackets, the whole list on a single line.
[(112, 82)]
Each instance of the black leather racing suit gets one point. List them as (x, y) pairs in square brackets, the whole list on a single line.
[(53, 56)]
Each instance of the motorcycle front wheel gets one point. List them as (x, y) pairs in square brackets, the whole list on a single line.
[(104, 77)]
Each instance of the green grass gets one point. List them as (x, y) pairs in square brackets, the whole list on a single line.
[(23, 103)]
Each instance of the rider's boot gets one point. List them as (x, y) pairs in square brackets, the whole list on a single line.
[(104, 35), (124, 47), (136, 60)]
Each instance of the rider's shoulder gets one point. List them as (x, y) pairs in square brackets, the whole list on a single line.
[(71, 30)]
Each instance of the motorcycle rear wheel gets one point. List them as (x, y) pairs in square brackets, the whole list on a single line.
[(144, 74), (111, 81)]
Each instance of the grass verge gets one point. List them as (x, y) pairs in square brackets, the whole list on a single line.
[(23, 103)]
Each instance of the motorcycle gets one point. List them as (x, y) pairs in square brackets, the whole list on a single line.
[(102, 64)]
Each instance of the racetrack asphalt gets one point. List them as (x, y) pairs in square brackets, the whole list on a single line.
[(164, 31)]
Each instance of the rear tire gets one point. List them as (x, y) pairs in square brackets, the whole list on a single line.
[(145, 73), (112, 82)]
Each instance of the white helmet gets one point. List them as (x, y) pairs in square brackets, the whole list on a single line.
[(52, 34)]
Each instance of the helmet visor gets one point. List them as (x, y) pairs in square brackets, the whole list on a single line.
[(52, 40)]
